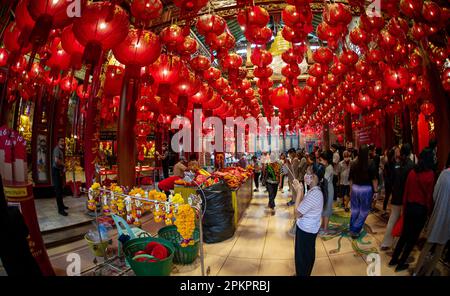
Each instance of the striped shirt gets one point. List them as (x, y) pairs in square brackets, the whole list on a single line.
[(311, 208)]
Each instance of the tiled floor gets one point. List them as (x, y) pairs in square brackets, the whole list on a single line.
[(261, 246), (48, 216)]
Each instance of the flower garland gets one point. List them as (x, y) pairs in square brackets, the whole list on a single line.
[(185, 223)]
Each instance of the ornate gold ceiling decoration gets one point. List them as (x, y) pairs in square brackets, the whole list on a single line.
[(228, 9)]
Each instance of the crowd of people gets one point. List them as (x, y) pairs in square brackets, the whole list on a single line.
[(355, 179)]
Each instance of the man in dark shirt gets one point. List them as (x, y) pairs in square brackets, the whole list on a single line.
[(164, 157), (58, 171)]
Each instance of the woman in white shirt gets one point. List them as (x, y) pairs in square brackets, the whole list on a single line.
[(309, 213)]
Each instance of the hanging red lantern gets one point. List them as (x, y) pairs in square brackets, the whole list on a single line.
[(187, 85), (190, 6), (359, 37), (210, 24), (253, 16), (261, 58), (290, 71), (19, 65), (13, 40), (220, 84), (290, 57), (187, 47), (364, 100), (371, 24), (323, 55), (411, 8), (139, 48), (171, 36), (396, 78), (146, 10), (431, 12), (293, 17), (23, 18), (102, 26), (113, 80), (203, 95), (258, 35), (293, 36), (68, 84), (317, 70), (427, 108), (263, 72), (59, 59), (338, 69), (348, 57), (200, 63), (280, 98), (3, 57), (71, 45), (232, 61), (393, 108), (353, 108), (336, 13), (166, 69), (211, 74), (223, 41)]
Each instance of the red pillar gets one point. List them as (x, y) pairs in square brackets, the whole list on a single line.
[(126, 139)]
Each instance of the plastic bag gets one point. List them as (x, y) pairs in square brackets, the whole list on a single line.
[(93, 235), (218, 220)]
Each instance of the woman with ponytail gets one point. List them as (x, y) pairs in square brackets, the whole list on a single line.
[(308, 214)]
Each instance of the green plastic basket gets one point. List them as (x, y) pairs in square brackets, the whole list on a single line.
[(183, 255), (158, 268)]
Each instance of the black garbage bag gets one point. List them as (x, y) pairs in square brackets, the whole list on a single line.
[(218, 220)]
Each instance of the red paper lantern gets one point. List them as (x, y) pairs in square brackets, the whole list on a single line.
[(337, 13), (364, 100), (146, 10), (187, 85), (210, 24), (396, 78), (166, 69), (353, 108), (232, 61), (359, 37), (293, 36), (211, 74), (393, 108), (258, 35), (140, 48), (411, 8), (317, 70), (222, 41), (200, 63), (202, 96), (290, 57), (71, 45), (3, 57), (83, 94), (290, 71), (113, 80), (263, 72), (171, 36), (13, 40), (338, 69), (59, 59), (19, 65), (427, 108), (253, 16), (190, 6), (323, 55), (292, 17), (68, 84), (23, 18), (371, 24), (348, 57), (261, 58)]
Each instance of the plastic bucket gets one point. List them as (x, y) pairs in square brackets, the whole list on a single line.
[(97, 248), (158, 268), (183, 255)]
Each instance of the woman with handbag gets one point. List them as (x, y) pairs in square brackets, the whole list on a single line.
[(418, 204)]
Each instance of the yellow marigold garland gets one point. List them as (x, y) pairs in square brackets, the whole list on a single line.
[(185, 223)]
